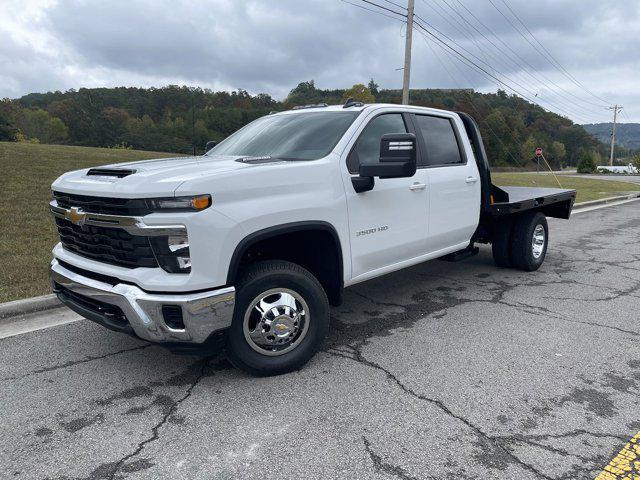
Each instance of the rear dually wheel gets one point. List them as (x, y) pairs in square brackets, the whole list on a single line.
[(530, 241)]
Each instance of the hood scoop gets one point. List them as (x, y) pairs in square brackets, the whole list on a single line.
[(110, 172)]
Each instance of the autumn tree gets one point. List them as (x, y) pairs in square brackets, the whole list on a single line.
[(359, 93)]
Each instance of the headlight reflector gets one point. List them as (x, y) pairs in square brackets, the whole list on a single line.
[(182, 204)]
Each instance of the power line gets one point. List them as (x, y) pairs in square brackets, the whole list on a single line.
[(445, 17), (561, 104), (497, 72), (383, 7), (471, 101), (469, 61), (505, 81), (520, 58), (546, 54), (624, 114), (551, 56), (396, 4), (372, 10)]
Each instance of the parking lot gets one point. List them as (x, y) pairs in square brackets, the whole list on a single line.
[(444, 370)]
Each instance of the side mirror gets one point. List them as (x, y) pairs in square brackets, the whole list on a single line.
[(397, 157), (210, 145)]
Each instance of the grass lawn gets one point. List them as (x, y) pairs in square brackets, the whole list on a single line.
[(28, 234), (27, 228), (588, 189)]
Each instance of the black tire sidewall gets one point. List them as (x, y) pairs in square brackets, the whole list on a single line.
[(501, 244), (522, 254), (258, 279)]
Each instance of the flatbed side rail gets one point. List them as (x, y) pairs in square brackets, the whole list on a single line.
[(557, 204)]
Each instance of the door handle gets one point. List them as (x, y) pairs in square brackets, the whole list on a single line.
[(471, 179), (417, 186)]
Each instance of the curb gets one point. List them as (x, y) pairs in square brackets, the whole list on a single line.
[(49, 302), (29, 305), (604, 201)]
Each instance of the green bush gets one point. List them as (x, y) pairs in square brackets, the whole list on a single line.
[(587, 163)]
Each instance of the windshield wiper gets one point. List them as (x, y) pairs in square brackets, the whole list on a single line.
[(257, 160), (265, 159)]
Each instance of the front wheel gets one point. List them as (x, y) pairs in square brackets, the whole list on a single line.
[(530, 240), (280, 320)]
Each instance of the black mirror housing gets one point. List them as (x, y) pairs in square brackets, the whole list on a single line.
[(397, 157), (210, 145)]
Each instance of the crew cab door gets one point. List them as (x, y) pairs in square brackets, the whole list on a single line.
[(454, 181), (388, 224)]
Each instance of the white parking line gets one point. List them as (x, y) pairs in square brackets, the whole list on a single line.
[(32, 322), (597, 207)]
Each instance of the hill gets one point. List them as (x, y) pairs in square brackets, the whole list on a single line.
[(174, 118), (627, 134)]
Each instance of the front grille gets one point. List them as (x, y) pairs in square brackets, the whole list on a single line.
[(110, 314), (104, 205), (108, 245), (94, 275)]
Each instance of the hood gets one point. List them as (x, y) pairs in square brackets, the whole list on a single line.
[(147, 178)]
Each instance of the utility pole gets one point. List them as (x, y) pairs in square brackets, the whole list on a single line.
[(615, 109), (193, 121), (407, 54)]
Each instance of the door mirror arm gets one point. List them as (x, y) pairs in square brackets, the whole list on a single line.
[(362, 184)]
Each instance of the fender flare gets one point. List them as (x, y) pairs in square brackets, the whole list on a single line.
[(276, 230)]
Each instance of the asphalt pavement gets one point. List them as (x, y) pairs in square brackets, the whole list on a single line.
[(441, 371)]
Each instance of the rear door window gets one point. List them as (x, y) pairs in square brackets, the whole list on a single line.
[(440, 140)]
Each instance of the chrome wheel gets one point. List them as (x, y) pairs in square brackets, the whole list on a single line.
[(538, 241), (276, 321)]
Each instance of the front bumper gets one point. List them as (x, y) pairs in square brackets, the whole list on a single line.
[(129, 309)]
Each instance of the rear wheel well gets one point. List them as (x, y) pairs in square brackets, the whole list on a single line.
[(314, 247)]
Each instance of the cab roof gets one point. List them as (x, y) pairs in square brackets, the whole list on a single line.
[(357, 107)]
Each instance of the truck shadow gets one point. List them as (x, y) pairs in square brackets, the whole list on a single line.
[(376, 307)]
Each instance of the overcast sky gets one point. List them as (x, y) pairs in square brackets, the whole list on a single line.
[(271, 45)]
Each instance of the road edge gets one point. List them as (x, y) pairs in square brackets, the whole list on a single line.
[(29, 305), (50, 302), (605, 202)]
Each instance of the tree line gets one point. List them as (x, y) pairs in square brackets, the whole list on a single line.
[(175, 118)]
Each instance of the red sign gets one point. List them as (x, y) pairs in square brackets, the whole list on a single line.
[(538, 152)]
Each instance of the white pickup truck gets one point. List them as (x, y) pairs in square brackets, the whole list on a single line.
[(243, 249)]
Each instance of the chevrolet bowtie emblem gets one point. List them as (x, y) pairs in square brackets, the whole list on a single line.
[(76, 216)]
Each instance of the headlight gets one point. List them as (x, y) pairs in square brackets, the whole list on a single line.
[(172, 253), (183, 204)]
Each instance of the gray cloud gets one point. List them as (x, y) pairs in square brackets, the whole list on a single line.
[(269, 46)]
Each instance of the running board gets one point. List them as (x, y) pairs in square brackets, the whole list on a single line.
[(460, 255)]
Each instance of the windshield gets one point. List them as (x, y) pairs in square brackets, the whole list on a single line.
[(295, 136)]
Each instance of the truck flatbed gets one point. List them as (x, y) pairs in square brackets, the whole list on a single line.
[(554, 202), (504, 201)]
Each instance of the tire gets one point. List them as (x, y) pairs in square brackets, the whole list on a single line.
[(264, 343), (501, 244), (527, 254)]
